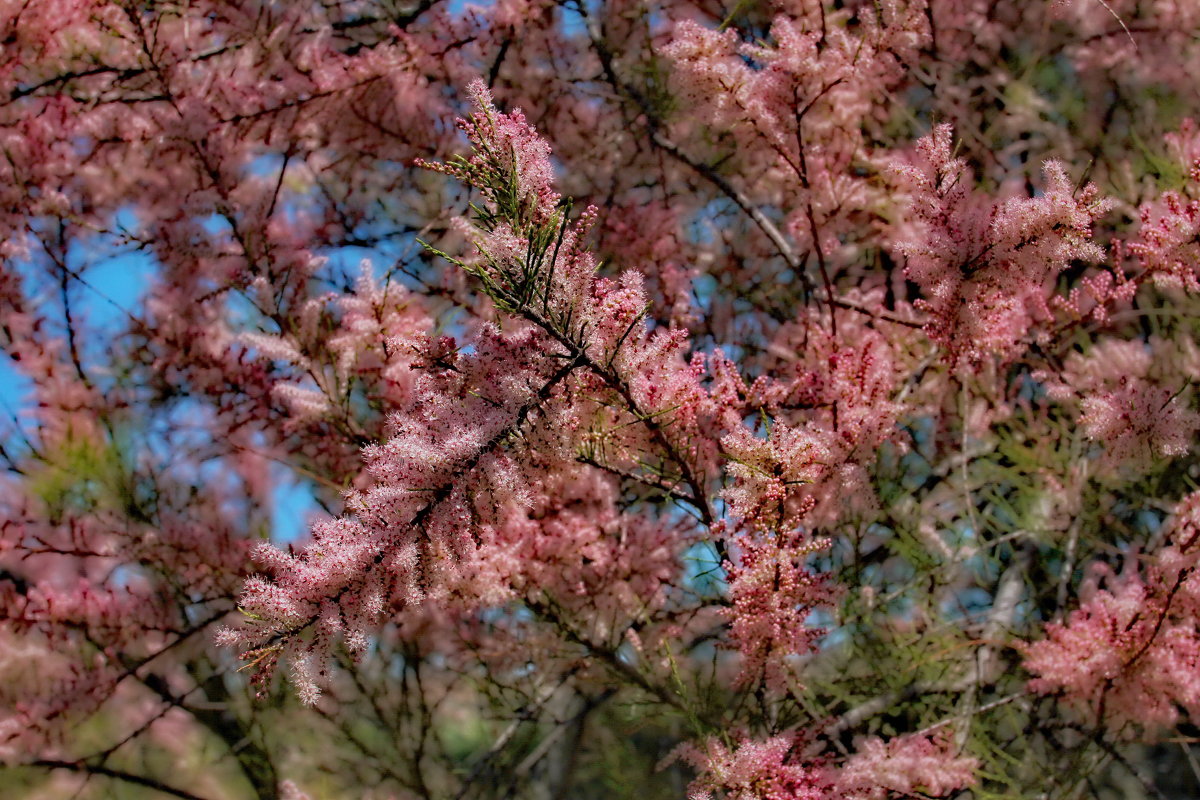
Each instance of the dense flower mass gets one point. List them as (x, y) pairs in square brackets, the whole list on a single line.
[(1128, 654), (987, 267), (780, 400)]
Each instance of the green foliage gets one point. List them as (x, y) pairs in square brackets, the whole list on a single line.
[(81, 474)]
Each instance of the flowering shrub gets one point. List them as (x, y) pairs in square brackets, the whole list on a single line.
[(781, 400)]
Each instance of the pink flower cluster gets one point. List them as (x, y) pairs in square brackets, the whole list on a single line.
[(911, 765), (456, 505), (755, 770), (797, 105), (509, 152), (776, 769), (774, 594), (1134, 397), (987, 268), (1127, 656), (435, 481), (1168, 247)]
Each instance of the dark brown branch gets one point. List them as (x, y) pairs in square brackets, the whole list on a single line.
[(116, 774)]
